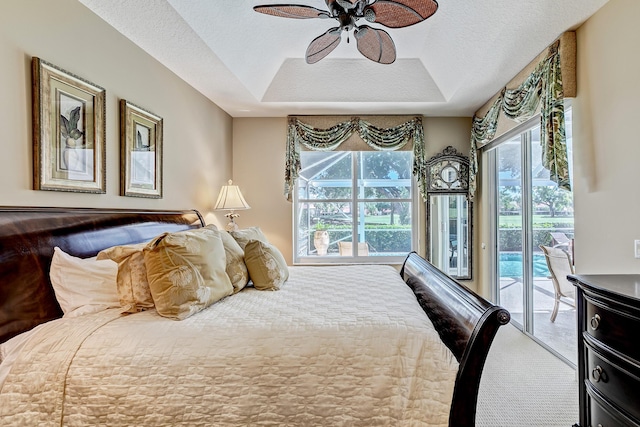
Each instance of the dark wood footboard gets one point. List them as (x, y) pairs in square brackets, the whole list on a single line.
[(467, 324)]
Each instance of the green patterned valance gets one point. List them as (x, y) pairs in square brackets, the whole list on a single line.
[(383, 139), (543, 87)]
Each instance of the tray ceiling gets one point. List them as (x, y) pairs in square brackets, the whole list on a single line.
[(252, 65)]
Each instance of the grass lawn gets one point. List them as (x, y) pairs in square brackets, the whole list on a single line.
[(538, 220), (381, 219)]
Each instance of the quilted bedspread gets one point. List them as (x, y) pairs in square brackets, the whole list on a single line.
[(336, 346)]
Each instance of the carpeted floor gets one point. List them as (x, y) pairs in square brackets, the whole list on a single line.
[(525, 385)]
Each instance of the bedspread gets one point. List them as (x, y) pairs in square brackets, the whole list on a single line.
[(336, 346)]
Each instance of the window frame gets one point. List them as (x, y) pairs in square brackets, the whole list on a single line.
[(355, 201)]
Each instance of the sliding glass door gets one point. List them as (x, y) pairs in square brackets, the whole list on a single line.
[(510, 228), (531, 212)]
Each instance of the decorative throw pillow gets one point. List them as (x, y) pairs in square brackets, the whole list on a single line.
[(267, 268), (83, 285), (252, 233), (133, 287), (186, 271), (236, 269)]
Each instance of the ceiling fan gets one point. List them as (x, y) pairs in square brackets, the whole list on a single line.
[(373, 43)]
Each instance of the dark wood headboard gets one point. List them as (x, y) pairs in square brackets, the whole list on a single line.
[(29, 234)]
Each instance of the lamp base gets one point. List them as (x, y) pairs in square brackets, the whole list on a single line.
[(231, 226)]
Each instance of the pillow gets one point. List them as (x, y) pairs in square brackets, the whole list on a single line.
[(186, 271), (83, 285), (132, 284), (236, 269), (252, 233), (267, 268)]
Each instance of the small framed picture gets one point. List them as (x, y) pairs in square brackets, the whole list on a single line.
[(140, 152), (68, 131)]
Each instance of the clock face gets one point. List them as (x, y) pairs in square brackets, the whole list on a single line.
[(449, 174)]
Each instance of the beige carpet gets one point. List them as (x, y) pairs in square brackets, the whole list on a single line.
[(525, 385)]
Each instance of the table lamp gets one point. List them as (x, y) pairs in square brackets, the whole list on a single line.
[(230, 199)]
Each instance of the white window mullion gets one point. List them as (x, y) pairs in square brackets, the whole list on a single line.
[(358, 193)]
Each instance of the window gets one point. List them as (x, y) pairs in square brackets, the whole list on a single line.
[(354, 206)]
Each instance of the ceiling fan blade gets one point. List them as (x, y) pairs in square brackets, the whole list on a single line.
[(292, 11), (323, 45), (375, 44), (400, 13)]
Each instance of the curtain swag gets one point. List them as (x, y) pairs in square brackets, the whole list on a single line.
[(542, 87), (389, 139)]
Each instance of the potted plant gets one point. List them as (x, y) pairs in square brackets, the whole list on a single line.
[(321, 238)]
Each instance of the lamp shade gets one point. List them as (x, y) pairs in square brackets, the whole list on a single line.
[(230, 198)]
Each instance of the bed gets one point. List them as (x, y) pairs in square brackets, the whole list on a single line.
[(335, 345)]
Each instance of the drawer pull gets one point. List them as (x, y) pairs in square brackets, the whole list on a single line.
[(595, 321), (596, 373)]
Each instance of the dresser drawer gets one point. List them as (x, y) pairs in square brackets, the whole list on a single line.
[(602, 414), (615, 379), (613, 328)]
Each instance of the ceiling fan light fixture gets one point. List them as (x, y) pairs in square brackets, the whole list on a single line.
[(370, 14)]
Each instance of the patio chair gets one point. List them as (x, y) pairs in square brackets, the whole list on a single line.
[(560, 240), (346, 249), (560, 267)]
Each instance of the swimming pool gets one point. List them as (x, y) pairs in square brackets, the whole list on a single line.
[(511, 265)]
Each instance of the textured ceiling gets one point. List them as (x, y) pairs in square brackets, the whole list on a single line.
[(252, 65)]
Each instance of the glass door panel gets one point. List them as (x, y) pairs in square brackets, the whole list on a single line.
[(552, 226), (509, 230)]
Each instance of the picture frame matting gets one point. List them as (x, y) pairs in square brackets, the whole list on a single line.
[(69, 152), (141, 135)]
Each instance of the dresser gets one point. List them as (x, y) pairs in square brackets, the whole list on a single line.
[(608, 308)]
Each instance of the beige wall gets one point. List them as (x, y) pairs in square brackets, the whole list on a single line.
[(197, 134), (607, 141), (258, 168)]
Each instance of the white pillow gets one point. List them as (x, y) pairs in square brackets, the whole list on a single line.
[(83, 285)]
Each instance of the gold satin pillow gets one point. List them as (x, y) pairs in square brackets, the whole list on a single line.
[(243, 236), (236, 269), (132, 284), (267, 268), (186, 271)]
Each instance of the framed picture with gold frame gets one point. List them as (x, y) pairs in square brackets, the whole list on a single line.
[(68, 131), (140, 152)]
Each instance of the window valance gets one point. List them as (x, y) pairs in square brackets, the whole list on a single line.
[(542, 88), (382, 139)]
